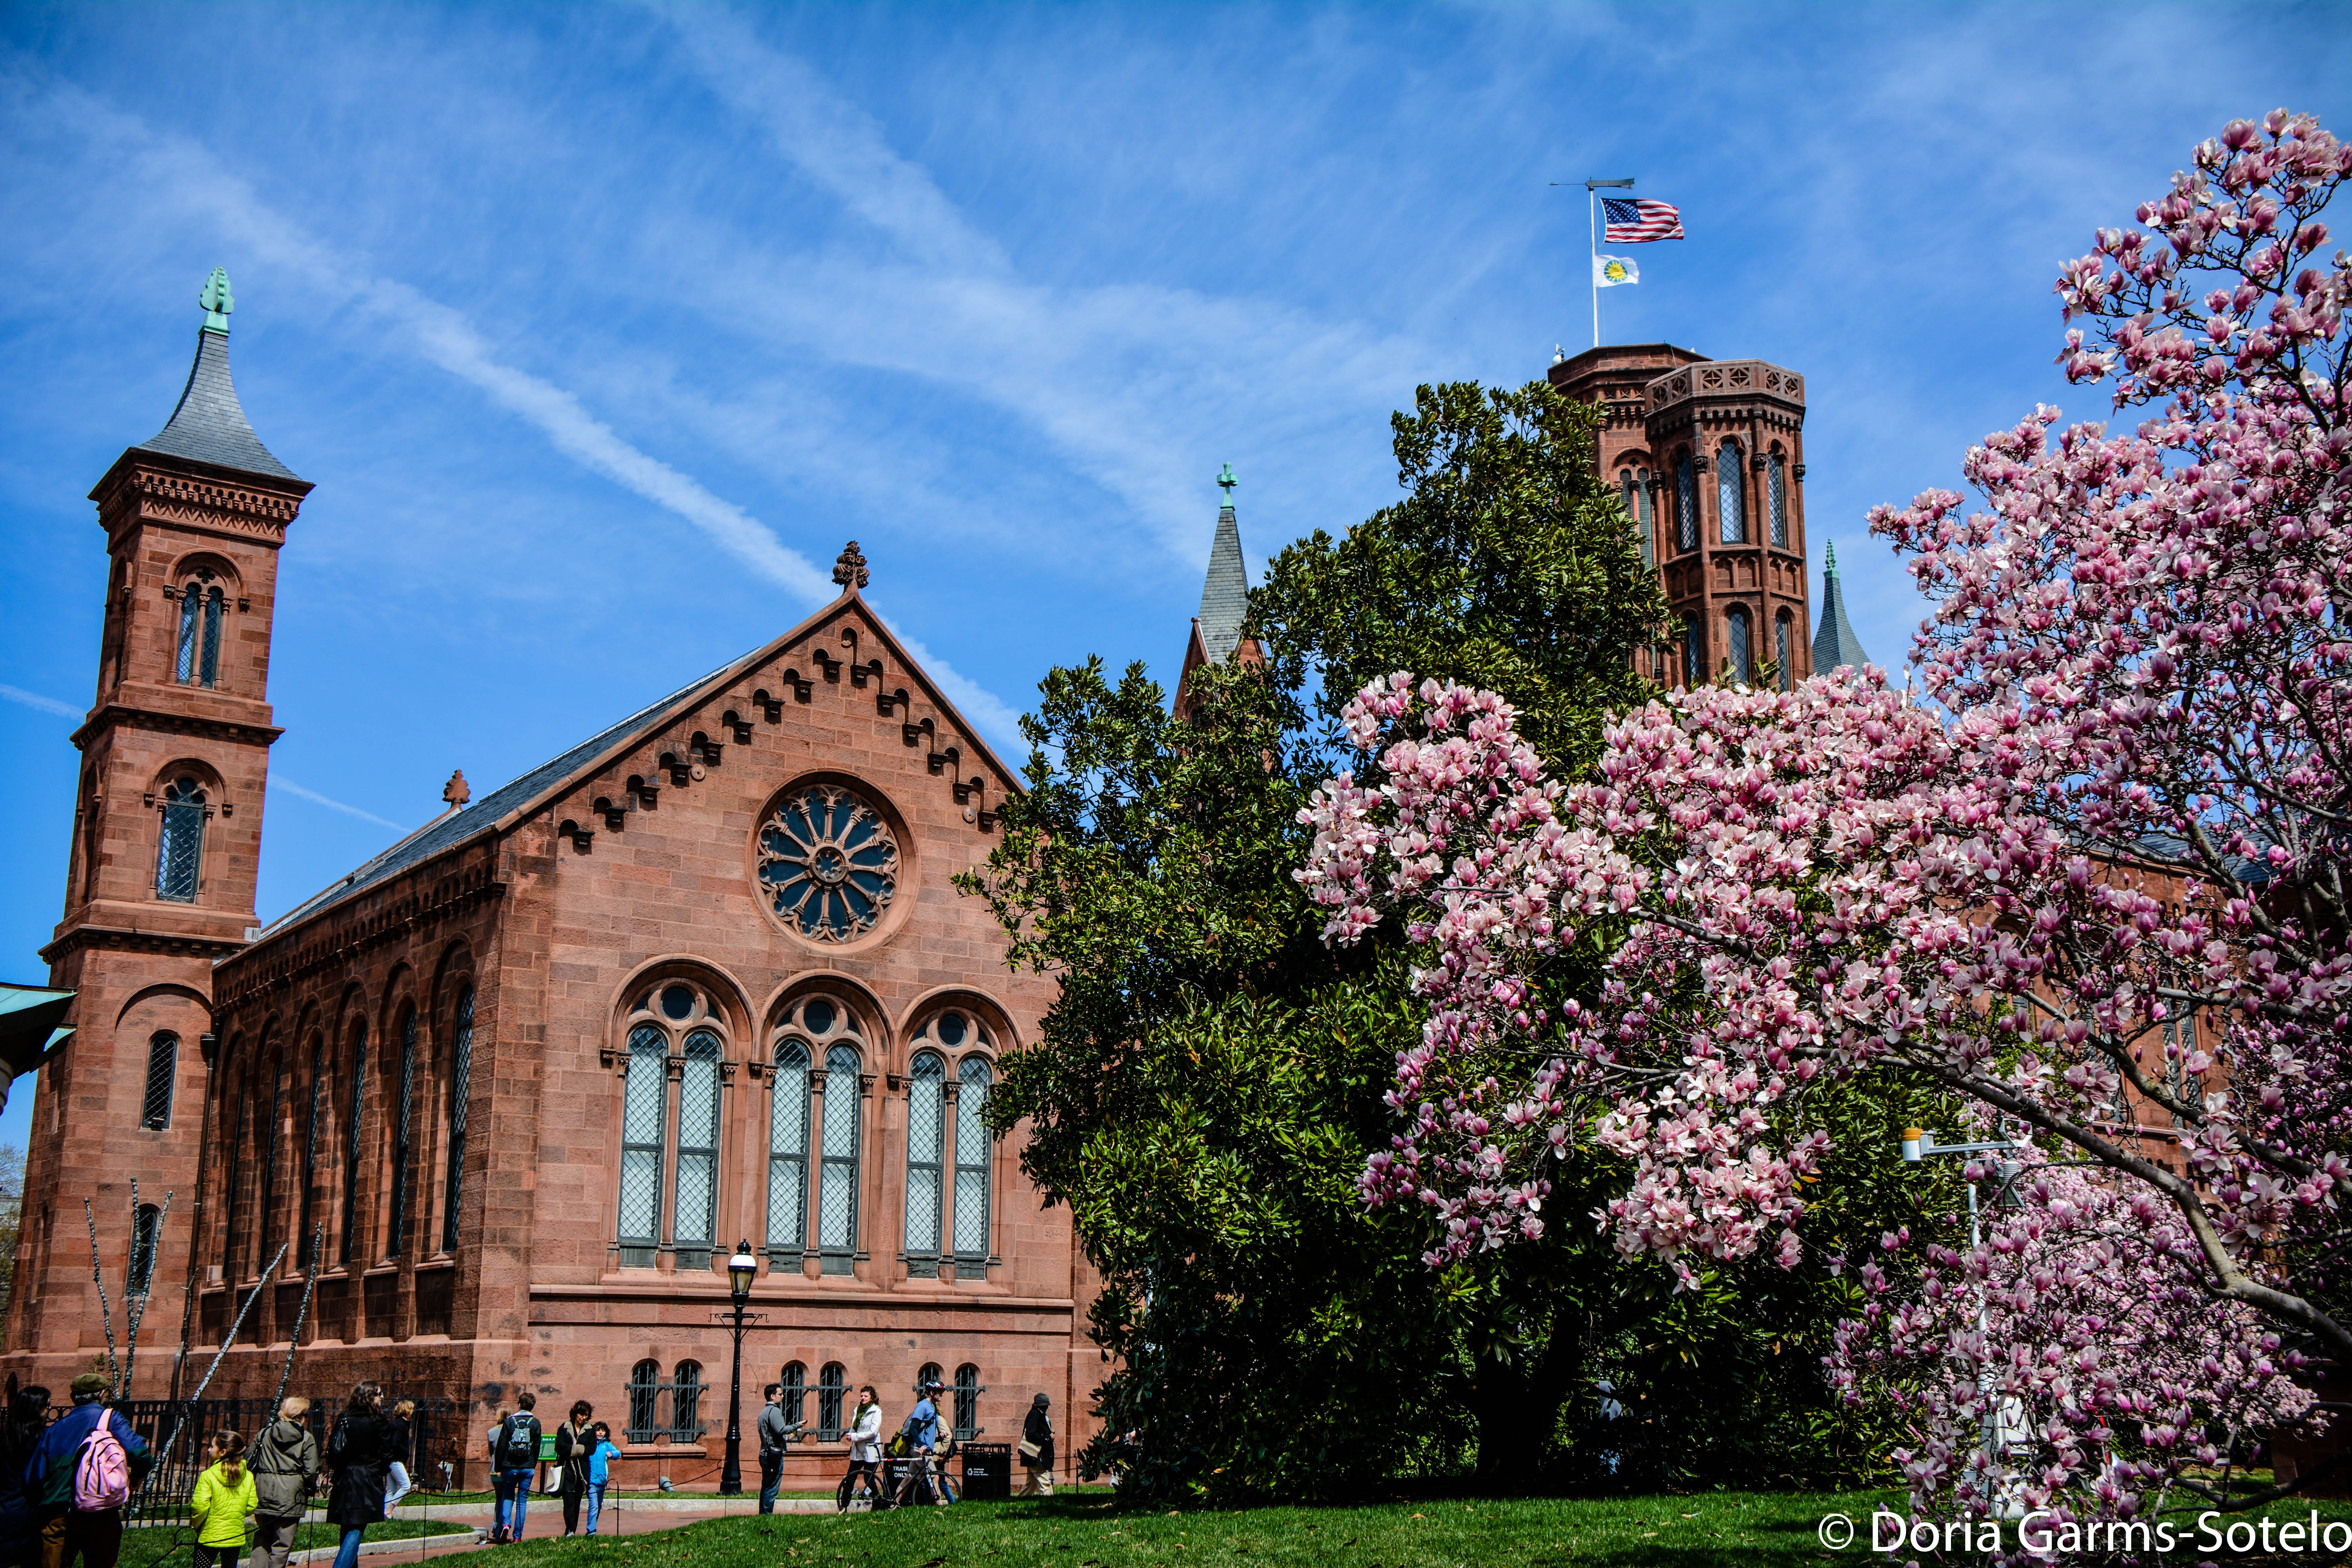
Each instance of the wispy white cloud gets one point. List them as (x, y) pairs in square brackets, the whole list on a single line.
[(36, 701), (315, 798)]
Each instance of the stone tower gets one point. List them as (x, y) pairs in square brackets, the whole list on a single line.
[(1709, 455), (159, 884)]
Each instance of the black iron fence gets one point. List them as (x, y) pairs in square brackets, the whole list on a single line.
[(435, 1458)]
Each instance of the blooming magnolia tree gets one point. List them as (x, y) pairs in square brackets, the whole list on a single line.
[(2094, 884)]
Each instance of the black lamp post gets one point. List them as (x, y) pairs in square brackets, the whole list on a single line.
[(741, 1270)]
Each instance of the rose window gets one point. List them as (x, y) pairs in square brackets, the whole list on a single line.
[(828, 863)]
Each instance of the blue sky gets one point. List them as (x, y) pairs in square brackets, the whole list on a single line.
[(601, 327)]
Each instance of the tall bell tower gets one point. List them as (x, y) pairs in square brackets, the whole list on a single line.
[(160, 885)]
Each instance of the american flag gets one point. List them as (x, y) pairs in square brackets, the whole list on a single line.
[(1632, 222)]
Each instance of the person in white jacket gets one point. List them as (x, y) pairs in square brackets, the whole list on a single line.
[(865, 1450)]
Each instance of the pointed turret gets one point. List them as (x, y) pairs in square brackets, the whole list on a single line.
[(1834, 643), (1224, 598), (209, 425)]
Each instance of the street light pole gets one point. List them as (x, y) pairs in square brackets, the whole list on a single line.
[(1918, 1145), (741, 1270)]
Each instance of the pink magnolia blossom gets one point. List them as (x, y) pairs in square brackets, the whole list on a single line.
[(2094, 882)]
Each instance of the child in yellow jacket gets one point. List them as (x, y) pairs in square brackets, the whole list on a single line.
[(223, 1498)]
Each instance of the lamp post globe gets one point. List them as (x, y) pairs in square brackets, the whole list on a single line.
[(741, 1270)]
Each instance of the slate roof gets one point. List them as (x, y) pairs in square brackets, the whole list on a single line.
[(209, 425), (1834, 643), (1225, 597)]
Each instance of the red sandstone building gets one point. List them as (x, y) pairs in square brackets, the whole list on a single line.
[(505, 1098), (530, 1075)]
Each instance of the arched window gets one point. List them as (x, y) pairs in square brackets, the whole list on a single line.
[(146, 1231), (354, 1125), (929, 1374), (697, 1150), (1738, 646), (645, 1400), (926, 1137), (1694, 652), (202, 606), (794, 1385), (1730, 496), (973, 1147), (645, 1096), (1784, 638), (162, 1073), (179, 855), (832, 1388), (1775, 485), (306, 1253), (1645, 530), (788, 1129), (269, 1217), (686, 1403), (231, 1185), (461, 1064), (967, 1403), (836, 1202), (1686, 503), (403, 1134)]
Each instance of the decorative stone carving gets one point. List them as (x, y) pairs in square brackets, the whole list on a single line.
[(828, 863)]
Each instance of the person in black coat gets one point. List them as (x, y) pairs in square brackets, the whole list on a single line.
[(1038, 1448), (358, 1455)]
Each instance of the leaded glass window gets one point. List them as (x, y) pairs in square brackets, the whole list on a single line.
[(831, 1394), (1686, 503), (202, 606), (461, 1066), (828, 863), (788, 1131), (1784, 650), (1694, 652), (1646, 533), (645, 1096), (354, 1126), (269, 1226), (183, 668), (179, 856), (967, 1403), (925, 1135), (645, 1400), (403, 1135), (1730, 496), (305, 1254), (697, 1149), (162, 1073), (1776, 484), (208, 670), (146, 1231), (836, 1207), (232, 1186), (1736, 638), (686, 1403), (794, 1386), (973, 1147)]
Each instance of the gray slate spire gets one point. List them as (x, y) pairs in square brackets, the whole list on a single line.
[(1834, 643), (1225, 597), (209, 425)]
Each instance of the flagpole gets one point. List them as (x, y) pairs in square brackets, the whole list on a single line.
[(1592, 224)]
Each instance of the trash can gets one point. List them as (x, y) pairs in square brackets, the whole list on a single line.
[(987, 1471)]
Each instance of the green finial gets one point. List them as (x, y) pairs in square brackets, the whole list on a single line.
[(218, 301), (1227, 482), (1829, 559)]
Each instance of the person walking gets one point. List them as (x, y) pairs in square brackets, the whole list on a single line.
[(865, 1451), (600, 1455), (284, 1464), (359, 1460), (28, 1417), (1038, 1448), (573, 1440), (225, 1495), (514, 1459), (402, 1429), (922, 1430), (776, 1434), (82, 1472)]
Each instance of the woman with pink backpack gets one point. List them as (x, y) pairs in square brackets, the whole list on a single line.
[(81, 1473)]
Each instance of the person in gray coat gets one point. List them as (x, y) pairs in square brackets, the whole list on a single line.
[(284, 1459)]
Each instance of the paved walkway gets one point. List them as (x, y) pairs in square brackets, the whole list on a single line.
[(621, 1520)]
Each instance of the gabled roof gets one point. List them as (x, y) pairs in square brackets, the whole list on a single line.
[(511, 802), (1834, 643), (209, 425)]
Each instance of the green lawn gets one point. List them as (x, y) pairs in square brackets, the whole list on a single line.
[(160, 1547), (1735, 1530)]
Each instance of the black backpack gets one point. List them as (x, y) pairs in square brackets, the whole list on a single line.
[(518, 1441)]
